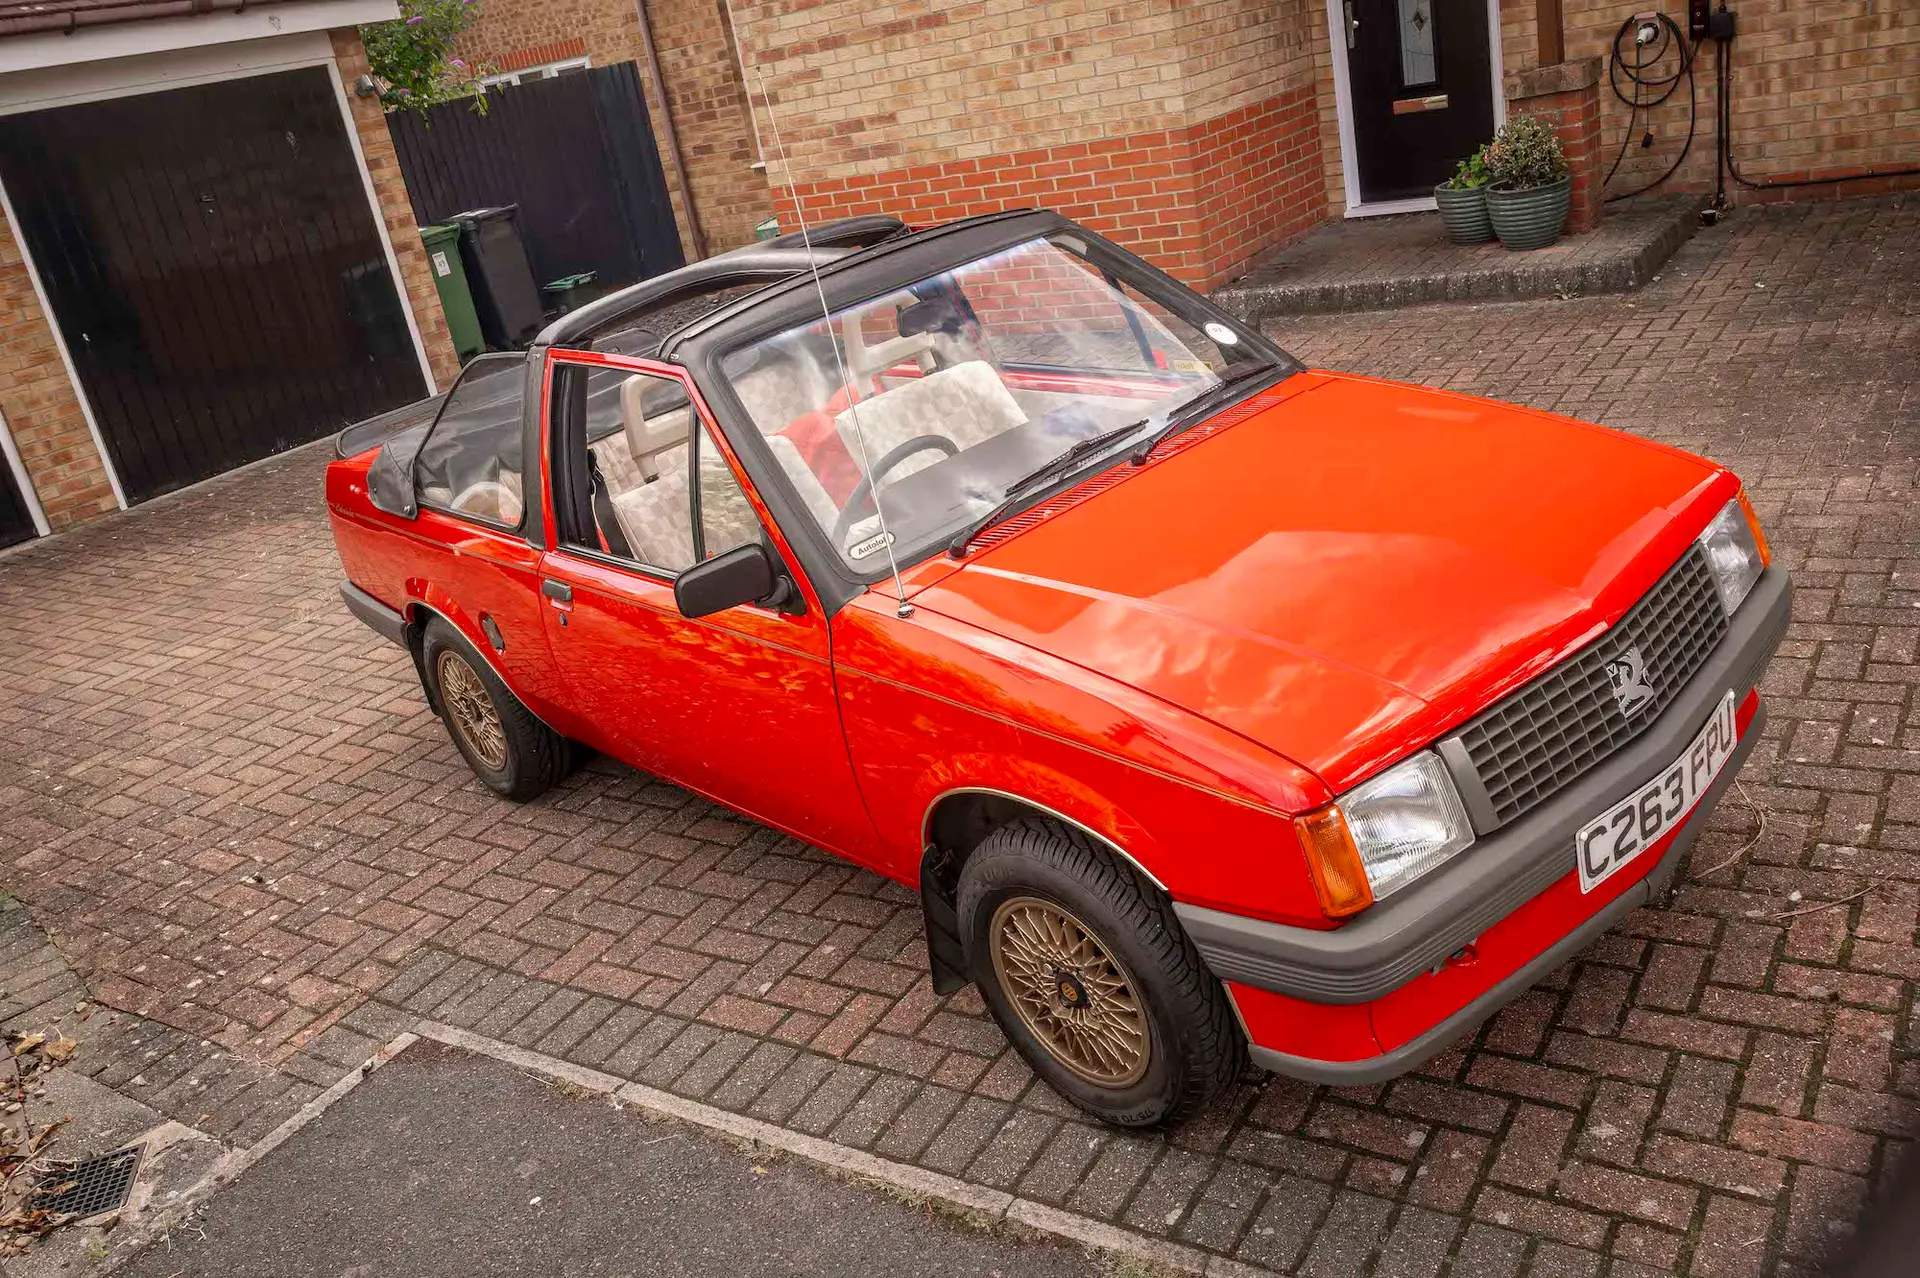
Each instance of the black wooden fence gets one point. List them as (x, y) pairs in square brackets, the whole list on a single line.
[(573, 151)]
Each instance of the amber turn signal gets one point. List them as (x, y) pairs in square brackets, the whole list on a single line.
[(1338, 877), (1753, 522)]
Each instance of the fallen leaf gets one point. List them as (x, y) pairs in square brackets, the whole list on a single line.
[(61, 1049), (27, 1042)]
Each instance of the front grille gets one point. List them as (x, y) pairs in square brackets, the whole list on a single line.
[(1543, 737)]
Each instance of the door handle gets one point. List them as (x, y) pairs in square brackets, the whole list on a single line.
[(558, 591), (1353, 23)]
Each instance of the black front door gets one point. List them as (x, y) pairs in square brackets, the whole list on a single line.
[(16, 522), (1421, 82), (214, 266)]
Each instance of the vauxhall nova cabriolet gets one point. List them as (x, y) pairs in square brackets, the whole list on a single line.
[(1214, 705)]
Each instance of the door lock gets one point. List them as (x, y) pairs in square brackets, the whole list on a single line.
[(1353, 23)]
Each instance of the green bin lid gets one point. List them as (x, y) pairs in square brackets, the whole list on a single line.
[(438, 234)]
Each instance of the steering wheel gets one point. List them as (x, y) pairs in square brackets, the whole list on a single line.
[(863, 491)]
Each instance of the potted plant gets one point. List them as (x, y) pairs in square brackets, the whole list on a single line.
[(1462, 199), (1530, 189)]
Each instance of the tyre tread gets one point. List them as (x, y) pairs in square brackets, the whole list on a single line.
[(1216, 1047), (544, 753)]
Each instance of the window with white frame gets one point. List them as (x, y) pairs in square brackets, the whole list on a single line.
[(544, 71)]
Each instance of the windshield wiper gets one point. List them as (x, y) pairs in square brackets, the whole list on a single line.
[(1195, 409), (1019, 489)]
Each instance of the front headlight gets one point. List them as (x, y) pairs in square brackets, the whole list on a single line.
[(1385, 833), (1736, 551)]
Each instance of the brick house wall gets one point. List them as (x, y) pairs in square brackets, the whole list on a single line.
[(396, 210), (1819, 90), (1184, 129), (704, 93), (43, 413)]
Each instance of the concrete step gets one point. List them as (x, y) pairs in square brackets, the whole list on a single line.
[(1378, 263)]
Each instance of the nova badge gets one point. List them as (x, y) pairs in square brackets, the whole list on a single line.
[(1631, 688)]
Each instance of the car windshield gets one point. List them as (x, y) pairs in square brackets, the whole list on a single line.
[(948, 401)]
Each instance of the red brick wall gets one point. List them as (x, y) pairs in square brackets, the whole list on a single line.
[(704, 92), (42, 411), (1198, 202), (1567, 96), (1257, 172), (396, 210), (537, 54)]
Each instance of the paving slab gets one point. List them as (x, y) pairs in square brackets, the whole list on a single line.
[(1376, 263)]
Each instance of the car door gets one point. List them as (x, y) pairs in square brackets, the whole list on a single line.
[(469, 478), (738, 706)]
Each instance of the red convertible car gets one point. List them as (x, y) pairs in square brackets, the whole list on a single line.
[(1215, 705)]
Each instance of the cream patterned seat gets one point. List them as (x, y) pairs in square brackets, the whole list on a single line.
[(967, 403)]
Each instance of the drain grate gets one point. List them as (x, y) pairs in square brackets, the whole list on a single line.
[(89, 1187)]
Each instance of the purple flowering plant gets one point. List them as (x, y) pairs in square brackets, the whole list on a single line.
[(411, 57)]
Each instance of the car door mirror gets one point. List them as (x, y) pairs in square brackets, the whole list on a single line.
[(748, 574)]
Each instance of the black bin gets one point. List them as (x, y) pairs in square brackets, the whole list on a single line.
[(495, 257)]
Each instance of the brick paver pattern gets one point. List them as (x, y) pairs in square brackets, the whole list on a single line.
[(227, 801)]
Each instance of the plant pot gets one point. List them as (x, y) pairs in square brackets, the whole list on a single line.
[(1532, 218), (1463, 211)]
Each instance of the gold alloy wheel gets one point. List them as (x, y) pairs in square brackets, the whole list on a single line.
[(470, 709), (1070, 991)]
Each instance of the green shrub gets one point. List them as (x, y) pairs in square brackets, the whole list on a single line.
[(411, 57), (1525, 153), (1471, 173)]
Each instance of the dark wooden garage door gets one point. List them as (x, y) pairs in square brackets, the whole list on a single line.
[(215, 269), (16, 522)]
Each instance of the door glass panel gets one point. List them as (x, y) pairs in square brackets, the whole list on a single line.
[(726, 517), (1417, 65), (640, 430)]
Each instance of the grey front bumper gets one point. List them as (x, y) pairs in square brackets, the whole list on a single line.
[(1415, 930)]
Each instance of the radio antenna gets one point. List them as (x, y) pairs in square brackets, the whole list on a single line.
[(905, 609)]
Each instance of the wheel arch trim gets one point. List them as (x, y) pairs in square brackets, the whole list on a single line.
[(933, 806), (416, 611)]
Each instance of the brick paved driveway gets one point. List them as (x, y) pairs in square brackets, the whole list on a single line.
[(228, 801)]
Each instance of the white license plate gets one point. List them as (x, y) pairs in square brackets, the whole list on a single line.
[(1607, 843)]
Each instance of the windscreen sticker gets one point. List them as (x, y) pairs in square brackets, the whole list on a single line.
[(1222, 334), (872, 545)]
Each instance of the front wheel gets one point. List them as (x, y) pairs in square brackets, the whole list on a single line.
[(1091, 977), (509, 749)]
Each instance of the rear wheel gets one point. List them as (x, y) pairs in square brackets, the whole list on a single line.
[(509, 749), (1092, 978)]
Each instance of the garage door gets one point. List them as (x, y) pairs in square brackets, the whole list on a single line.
[(16, 521), (213, 264)]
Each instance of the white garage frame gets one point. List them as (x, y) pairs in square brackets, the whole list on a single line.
[(160, 64)]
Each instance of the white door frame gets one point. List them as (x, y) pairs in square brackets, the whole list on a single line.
[(1343, 103), (157, 72), (20, 480)]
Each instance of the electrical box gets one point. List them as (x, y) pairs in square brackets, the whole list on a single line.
[(1720, 23), (1697, 18)]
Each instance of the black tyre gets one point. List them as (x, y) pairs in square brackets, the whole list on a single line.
[(1091, 976), (514, 753)]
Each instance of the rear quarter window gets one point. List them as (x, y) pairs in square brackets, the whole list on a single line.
[(470, 464)]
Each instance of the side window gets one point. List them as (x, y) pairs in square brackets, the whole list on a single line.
[(642, 439), (470, 464), (727, 520)]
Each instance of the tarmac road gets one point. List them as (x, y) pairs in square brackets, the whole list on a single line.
[(444, 1163)]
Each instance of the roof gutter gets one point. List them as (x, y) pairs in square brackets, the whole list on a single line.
[(115, 11)]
